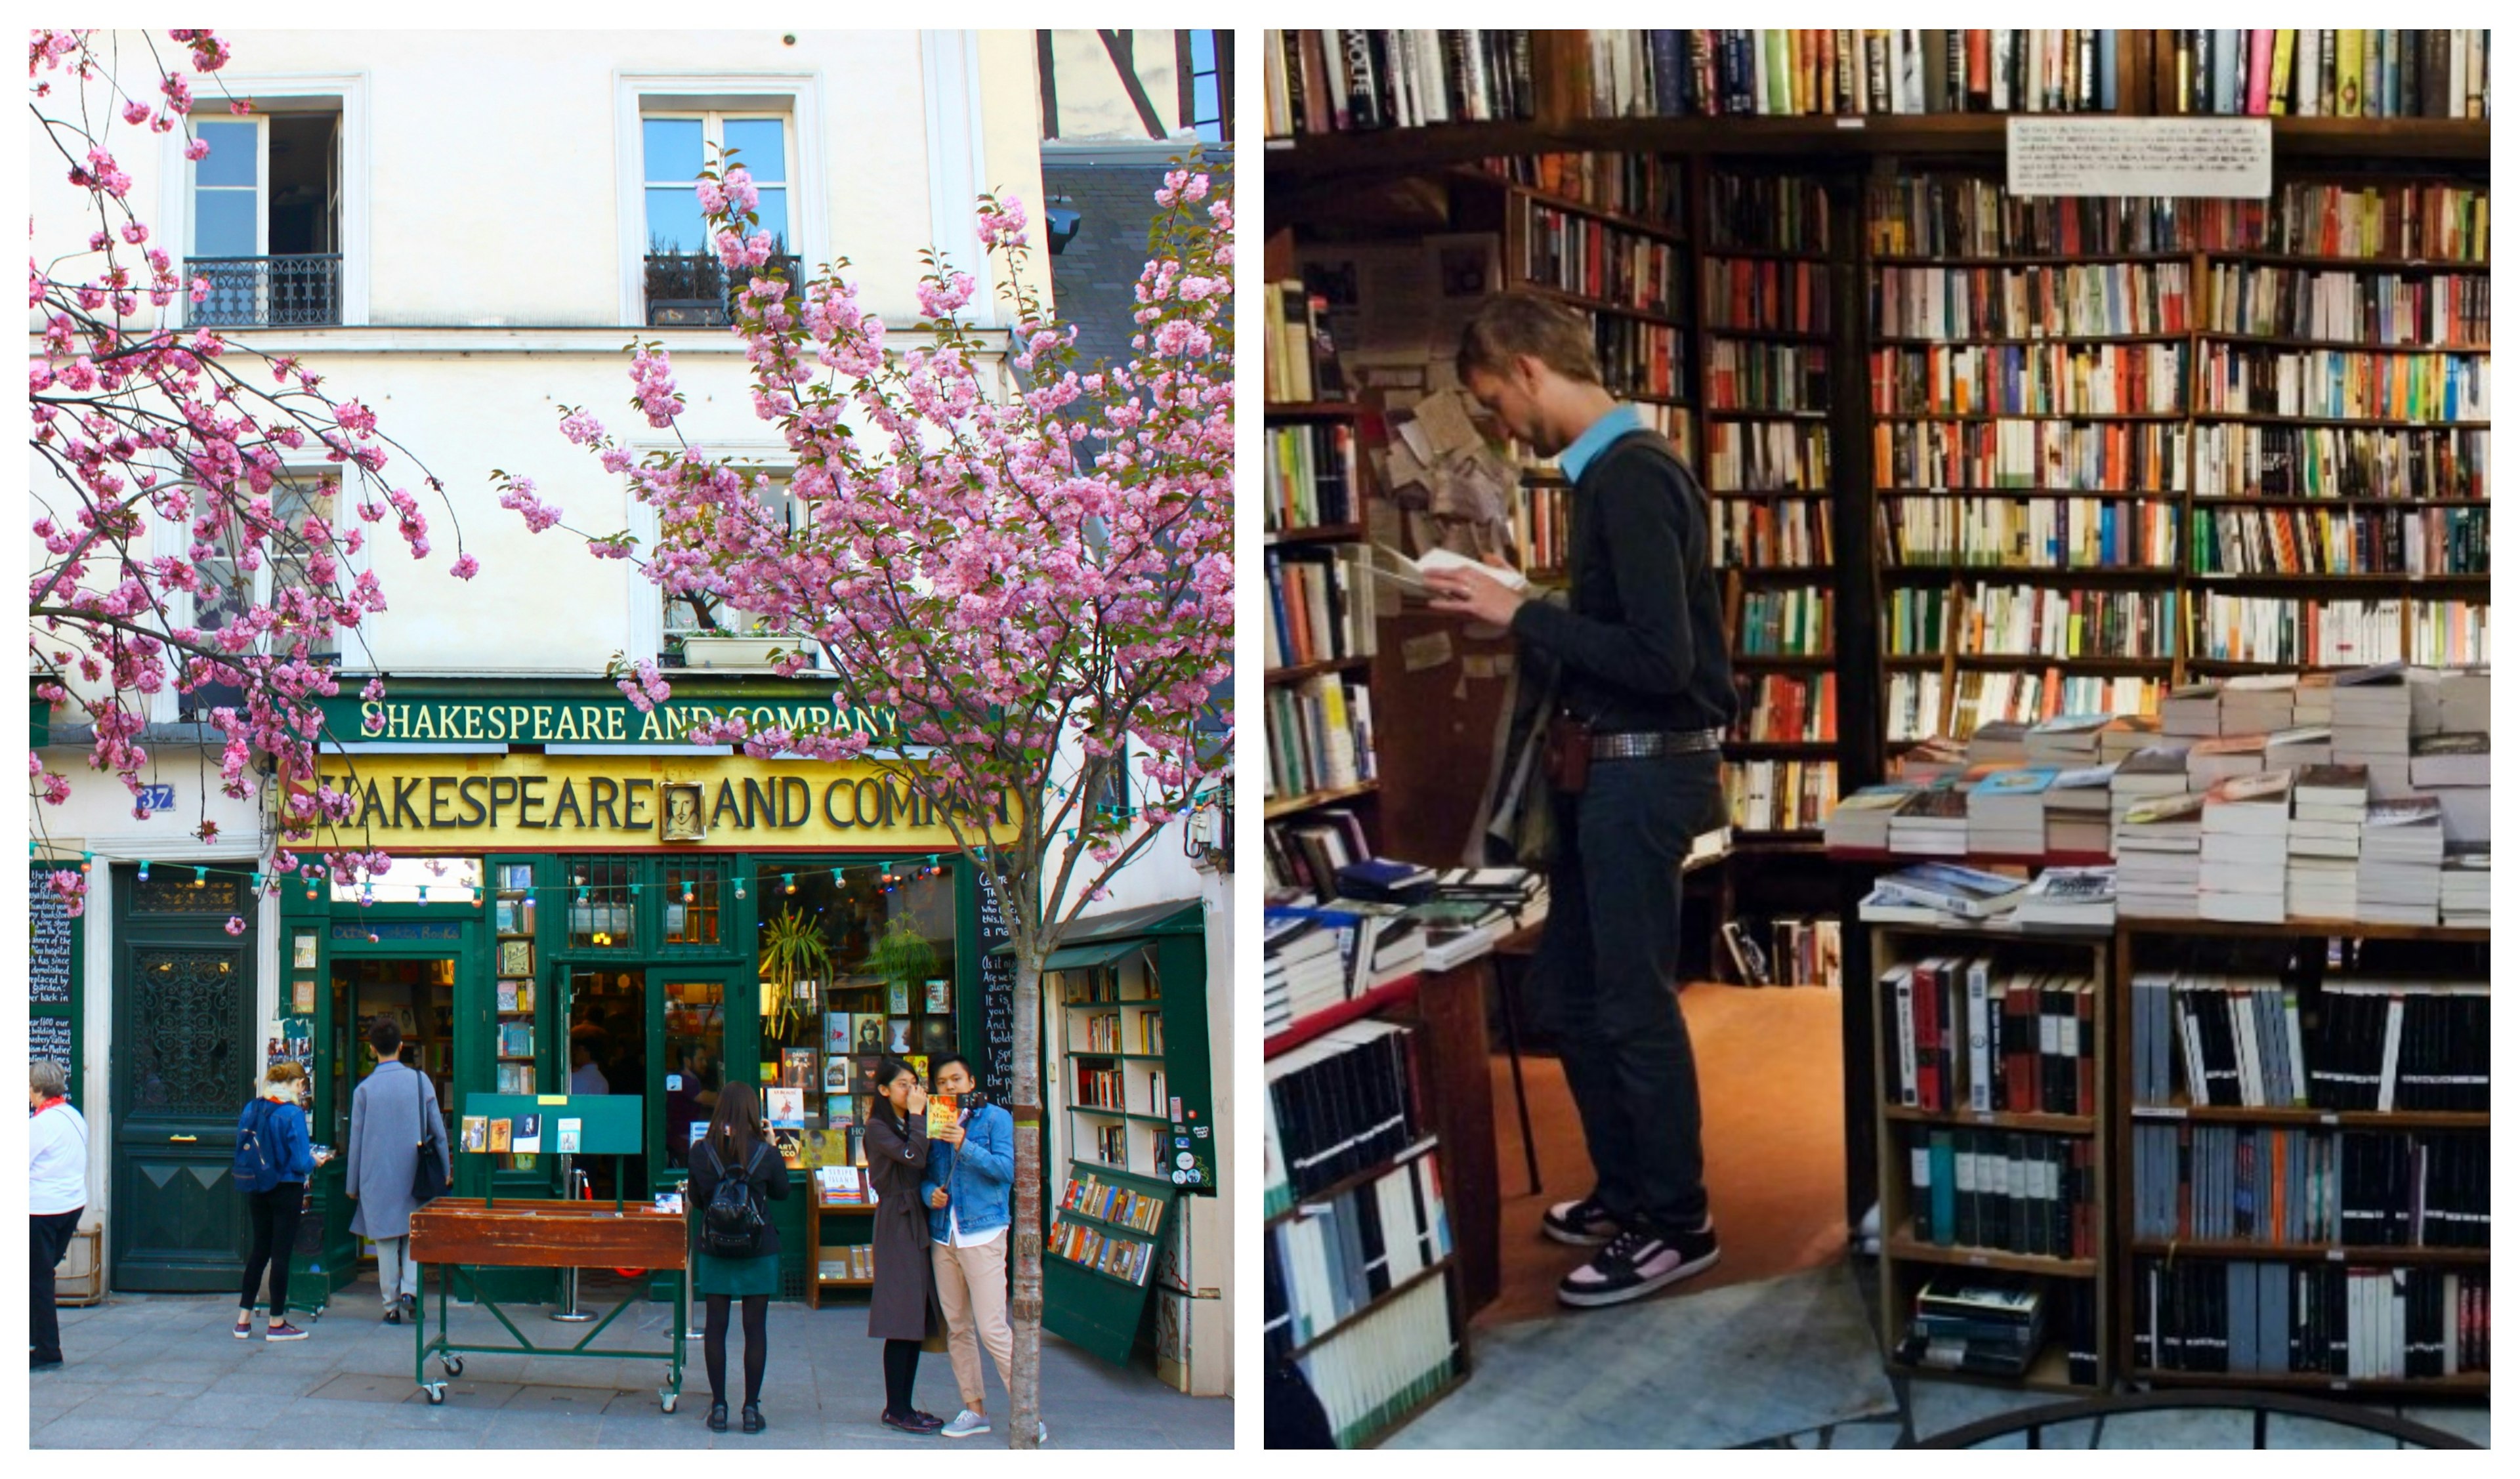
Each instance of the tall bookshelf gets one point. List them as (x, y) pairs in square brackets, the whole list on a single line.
[(2031, 1160), (2305, 959)]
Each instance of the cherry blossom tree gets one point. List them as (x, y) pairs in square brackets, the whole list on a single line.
[(188, 488), (1032, 573)]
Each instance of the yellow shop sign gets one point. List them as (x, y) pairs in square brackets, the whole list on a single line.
[(528, 803)]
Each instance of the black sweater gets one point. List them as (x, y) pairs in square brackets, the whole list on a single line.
[(769, 1179), (1641, 636)]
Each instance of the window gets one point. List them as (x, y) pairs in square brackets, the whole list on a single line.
[(599, 902), (1203, 59), (686, 286), (266, 212), (228, 590), (702, 615)]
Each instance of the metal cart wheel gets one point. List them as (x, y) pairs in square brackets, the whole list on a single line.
[(452, 1366), (668, 1398), (436, 1393)]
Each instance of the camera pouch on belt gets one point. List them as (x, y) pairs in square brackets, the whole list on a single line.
[(1567, 754)]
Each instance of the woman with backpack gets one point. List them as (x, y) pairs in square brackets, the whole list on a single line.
[(273, 1160), (733, 1169), (896, 1153)]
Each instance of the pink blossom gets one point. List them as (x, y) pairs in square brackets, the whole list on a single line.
[(198, 149), (739, 191), (464, 567), (234, 926)]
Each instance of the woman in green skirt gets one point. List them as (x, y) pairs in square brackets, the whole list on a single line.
[(737, 1146)]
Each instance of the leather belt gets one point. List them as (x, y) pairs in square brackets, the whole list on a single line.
[(1647, 744)]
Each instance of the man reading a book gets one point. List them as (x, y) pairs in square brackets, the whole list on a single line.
[(1645, 692)]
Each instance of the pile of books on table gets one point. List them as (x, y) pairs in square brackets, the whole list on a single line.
[(2398, 881), (1935, 893), (2240, 853), (2466, 888), (2157, 843)]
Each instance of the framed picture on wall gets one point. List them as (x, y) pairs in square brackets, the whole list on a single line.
[(939, 995), (303, 952)]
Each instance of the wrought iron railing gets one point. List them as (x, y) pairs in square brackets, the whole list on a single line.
[(2032, 1423), (266, 292), (695, 291)]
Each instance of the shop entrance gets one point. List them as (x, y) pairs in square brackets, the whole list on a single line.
[(658, 1032), (607, 1054), (418, 996)]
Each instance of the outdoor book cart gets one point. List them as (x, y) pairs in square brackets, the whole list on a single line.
[(458, 1233)]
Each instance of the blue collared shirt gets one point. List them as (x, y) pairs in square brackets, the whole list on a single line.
[(1616, 422)]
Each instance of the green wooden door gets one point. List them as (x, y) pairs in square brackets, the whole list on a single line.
[(184, 1063)]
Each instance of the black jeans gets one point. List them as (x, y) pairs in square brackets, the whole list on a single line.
[(275, 1237), (48, 1237), (1603, 980), (757, 1344)]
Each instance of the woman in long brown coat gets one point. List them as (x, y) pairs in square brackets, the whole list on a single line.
[(896, 1151)]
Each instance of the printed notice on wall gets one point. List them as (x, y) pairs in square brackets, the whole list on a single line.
[(2138, 157)]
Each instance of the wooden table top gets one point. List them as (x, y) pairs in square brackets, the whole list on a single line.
[(549, 1234)]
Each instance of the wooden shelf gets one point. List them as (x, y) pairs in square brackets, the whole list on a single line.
[(2306, 929), (1303, 671), (1903, 1248), (1672, 232), (2347, 1119), (2234, 336), (1306, 1028), (2034, 416), (1906, 341), (2464, 1383), (1310, 410), (1752, 413), (1423, 1145), (1317, 534), (1766, 253), (1818, 493), (2048, 1373), (2134, 666), (2194, 1247), (2139, 495), (2375, 264), (2203, 501), (1994, 1119), (2378, 423), (1783, 659), (1287, 806), (1600, 305), (2071, 573), (2052, 259), (1780, 336)]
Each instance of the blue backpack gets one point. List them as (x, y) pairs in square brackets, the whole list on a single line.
[(256, 1167)]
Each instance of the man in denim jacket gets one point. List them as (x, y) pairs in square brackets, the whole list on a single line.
[(971, 1203)]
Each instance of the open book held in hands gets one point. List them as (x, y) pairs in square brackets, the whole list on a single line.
[(1410, 575)]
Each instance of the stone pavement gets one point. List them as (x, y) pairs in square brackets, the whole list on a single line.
[(163, 1372)]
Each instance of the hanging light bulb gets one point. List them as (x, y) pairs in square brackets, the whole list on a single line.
[(581, 895), (739, 889), (87, 862), (143, 869), (788, 880), (476, 892), (201, 878), (257, 882), (687, 891), (311, 888)]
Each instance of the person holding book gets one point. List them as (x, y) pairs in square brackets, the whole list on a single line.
[(737, 1144), (897, 1313), (1644, 693), (970, 1187), (56, 1198), (393, 1121), (274, 1157)]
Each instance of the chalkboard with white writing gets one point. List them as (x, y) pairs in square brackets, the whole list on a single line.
[(49, 1037), (996, 994), (48, 963)]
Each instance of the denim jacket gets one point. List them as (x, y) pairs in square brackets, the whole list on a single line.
[(978, 1176), (286, 1126)]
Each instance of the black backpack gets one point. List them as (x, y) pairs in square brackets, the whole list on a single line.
[(731, 1223)]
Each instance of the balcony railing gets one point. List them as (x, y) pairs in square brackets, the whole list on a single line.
[(266, 292), (694, 290)]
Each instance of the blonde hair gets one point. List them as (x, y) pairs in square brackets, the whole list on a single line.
[(1511, 325)]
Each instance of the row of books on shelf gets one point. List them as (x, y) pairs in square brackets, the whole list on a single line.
[(1785, 708), (2246, 460), (1340, 1105), (2438, 310), (2418, 543), (1968, 1032), (1389, 1362), (1111, 1202), (1109, 1089), (1791, 621), (1321, 605), (1772, 73), (1341, 1254), (1338, 82), (1648, 188), (515, 1078), (1387, 922), (2006, 1191), (1544, 524), (515, 996), (1321, 736), (2356, 1321), (1779, 795), (2031, 379), (2330, 73), (1103, 1032), (2119, 457), (2037, 300), (1752, 375), (2300, 1187), (1996, 1326), (516, 1038), (1590, 258), (1765, 294), (1312, 475), (1123, 1257), (1767, 457), (846, 1263), (1946, 215), (1779, 533), (1767, 212), (2306, 632), (1641, 359), (848, 1185), (2361, 385), (1298, 364), (2379, 1043), (2030, 533), (1798, 951)]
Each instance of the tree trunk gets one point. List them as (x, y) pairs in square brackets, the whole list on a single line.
[(1024, 1388)]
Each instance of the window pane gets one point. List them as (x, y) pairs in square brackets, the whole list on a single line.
[(761, 145), (232, 158), (1202, 50), (695, 1061), (774, 216), (674, 222), (1203, 98), (672, 148), (223, 223)]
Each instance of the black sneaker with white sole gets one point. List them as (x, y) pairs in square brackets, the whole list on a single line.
[(1586, 1223), (1637, 1262)]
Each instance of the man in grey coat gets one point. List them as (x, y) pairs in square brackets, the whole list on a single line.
[(393, 1112)]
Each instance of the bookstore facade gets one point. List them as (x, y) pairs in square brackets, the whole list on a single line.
[(2127, 545)]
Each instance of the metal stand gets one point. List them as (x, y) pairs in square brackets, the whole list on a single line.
[(573, 1184)]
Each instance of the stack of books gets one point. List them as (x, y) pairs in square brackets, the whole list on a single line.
[(2078, 805), (2257, 704), (2147, 775), (1304, 969), (2323, 849), (2299, 745), (1934, 824), (1937, 757), (2225, 757), (1999, 743), (2466, 888), (2400, 879), (1471, 909), (2066, 741), (1934, 893), (2457, 770), (2126, 734), (2075, 898), (2372, 718), (1387, 880), (2194, 711), (2006, 814), (1969, 1323), (2157, 846), (2240, 862), (2466, 700), (1861, 822)]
